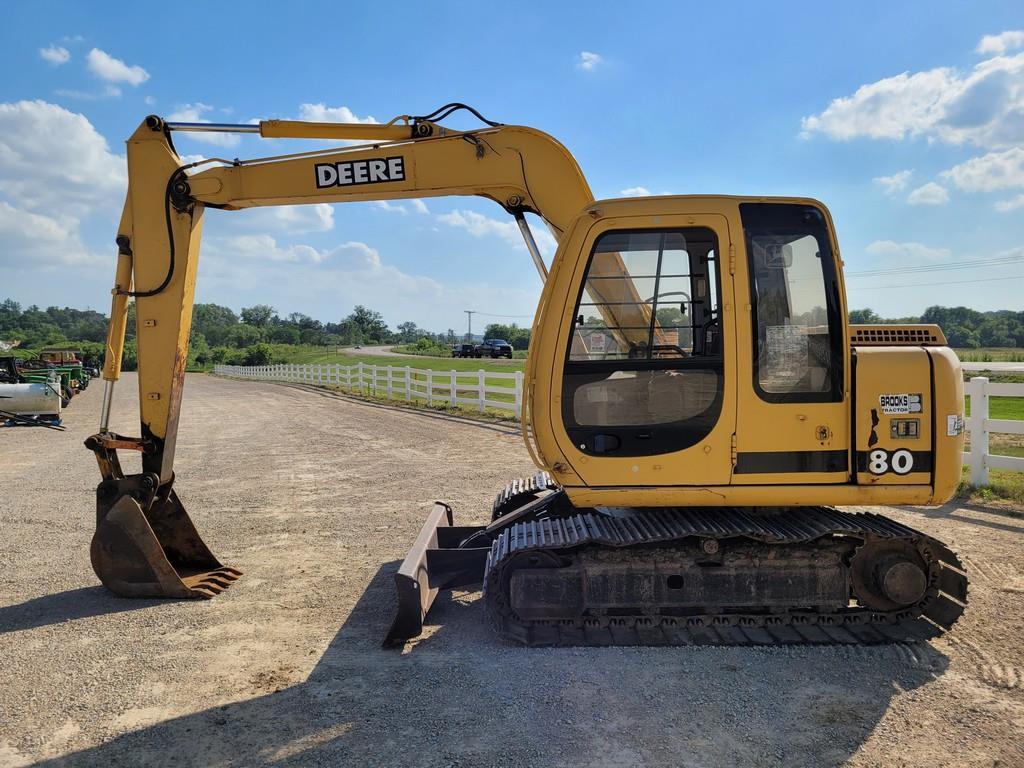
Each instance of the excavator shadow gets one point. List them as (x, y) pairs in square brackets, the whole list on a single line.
[(71, 604), (461, 696), (974, 514)]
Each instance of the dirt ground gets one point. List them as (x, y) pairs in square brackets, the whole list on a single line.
[(316, 499)]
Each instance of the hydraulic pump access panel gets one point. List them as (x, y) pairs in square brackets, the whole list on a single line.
[(909, 436)]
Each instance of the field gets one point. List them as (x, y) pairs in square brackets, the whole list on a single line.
[(316, 497), (991, 355)]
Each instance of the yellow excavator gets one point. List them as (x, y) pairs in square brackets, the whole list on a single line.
[(695, 400)]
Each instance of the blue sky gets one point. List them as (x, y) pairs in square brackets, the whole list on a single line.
[(906, 119)]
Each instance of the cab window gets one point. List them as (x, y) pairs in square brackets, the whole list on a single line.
[(643, 372), (796, 319)]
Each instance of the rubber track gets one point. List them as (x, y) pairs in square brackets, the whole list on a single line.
[(520, 491), (941, 606)]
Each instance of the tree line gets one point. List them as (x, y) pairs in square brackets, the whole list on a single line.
[(964, 328), (219, 334), (252, 336)]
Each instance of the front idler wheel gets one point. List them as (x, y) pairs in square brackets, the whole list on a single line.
[(889, 575)]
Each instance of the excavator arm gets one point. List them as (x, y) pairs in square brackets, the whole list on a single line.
[(145, 543)]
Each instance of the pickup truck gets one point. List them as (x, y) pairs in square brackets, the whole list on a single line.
[(493, 348)]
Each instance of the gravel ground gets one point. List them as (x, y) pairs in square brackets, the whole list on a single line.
[(317, 498)]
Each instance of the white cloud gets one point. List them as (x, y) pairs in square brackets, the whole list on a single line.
[(893, 185), (32, 240), (108, 92), (888, 109), (929, 194), (149, 100), (52, 159), (321, 113), (284, 219), (889, 249), (105, 66), (1001, 43), (479, 225), (1010, 205), (635, 192), (417, 206), (54, 170), (390, 207), (351, 264), (984, 106), (327, 283), (301, 219), (588, 61), (193, 113), (305, 218), (996, 170), (55, 54), (264, 247)]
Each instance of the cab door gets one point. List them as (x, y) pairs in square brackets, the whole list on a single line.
[(793, 413), (643, 385)]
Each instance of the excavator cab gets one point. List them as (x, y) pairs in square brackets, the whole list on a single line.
[(694, 399)]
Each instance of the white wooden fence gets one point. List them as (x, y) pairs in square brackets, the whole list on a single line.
[(477, 389), (480, 389), (979, 389)]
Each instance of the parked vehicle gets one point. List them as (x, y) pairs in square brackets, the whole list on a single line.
[(494, 348), (464, 350)]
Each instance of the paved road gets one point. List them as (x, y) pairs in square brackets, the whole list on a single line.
[(383, 351), (316, 499), (1001, 367)]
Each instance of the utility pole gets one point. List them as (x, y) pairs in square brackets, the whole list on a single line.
[(469, 315)]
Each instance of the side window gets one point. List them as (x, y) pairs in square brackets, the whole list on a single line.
[(644, 368), (797, 328)]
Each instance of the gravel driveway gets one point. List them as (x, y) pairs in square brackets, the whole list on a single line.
[(316, 498)]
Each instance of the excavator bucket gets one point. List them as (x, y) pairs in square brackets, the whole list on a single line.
[(154, 553)]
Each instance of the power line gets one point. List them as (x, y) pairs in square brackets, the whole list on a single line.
[(489, 314), (949, 282), (993, 262)]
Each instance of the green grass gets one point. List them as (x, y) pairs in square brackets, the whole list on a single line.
[(1004, 487), (1001, 408), (991, 355)]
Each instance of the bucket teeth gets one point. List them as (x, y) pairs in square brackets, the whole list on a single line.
[(212, 583)]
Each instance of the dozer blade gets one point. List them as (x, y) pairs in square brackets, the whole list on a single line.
[(436, 561), (159, 554)]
